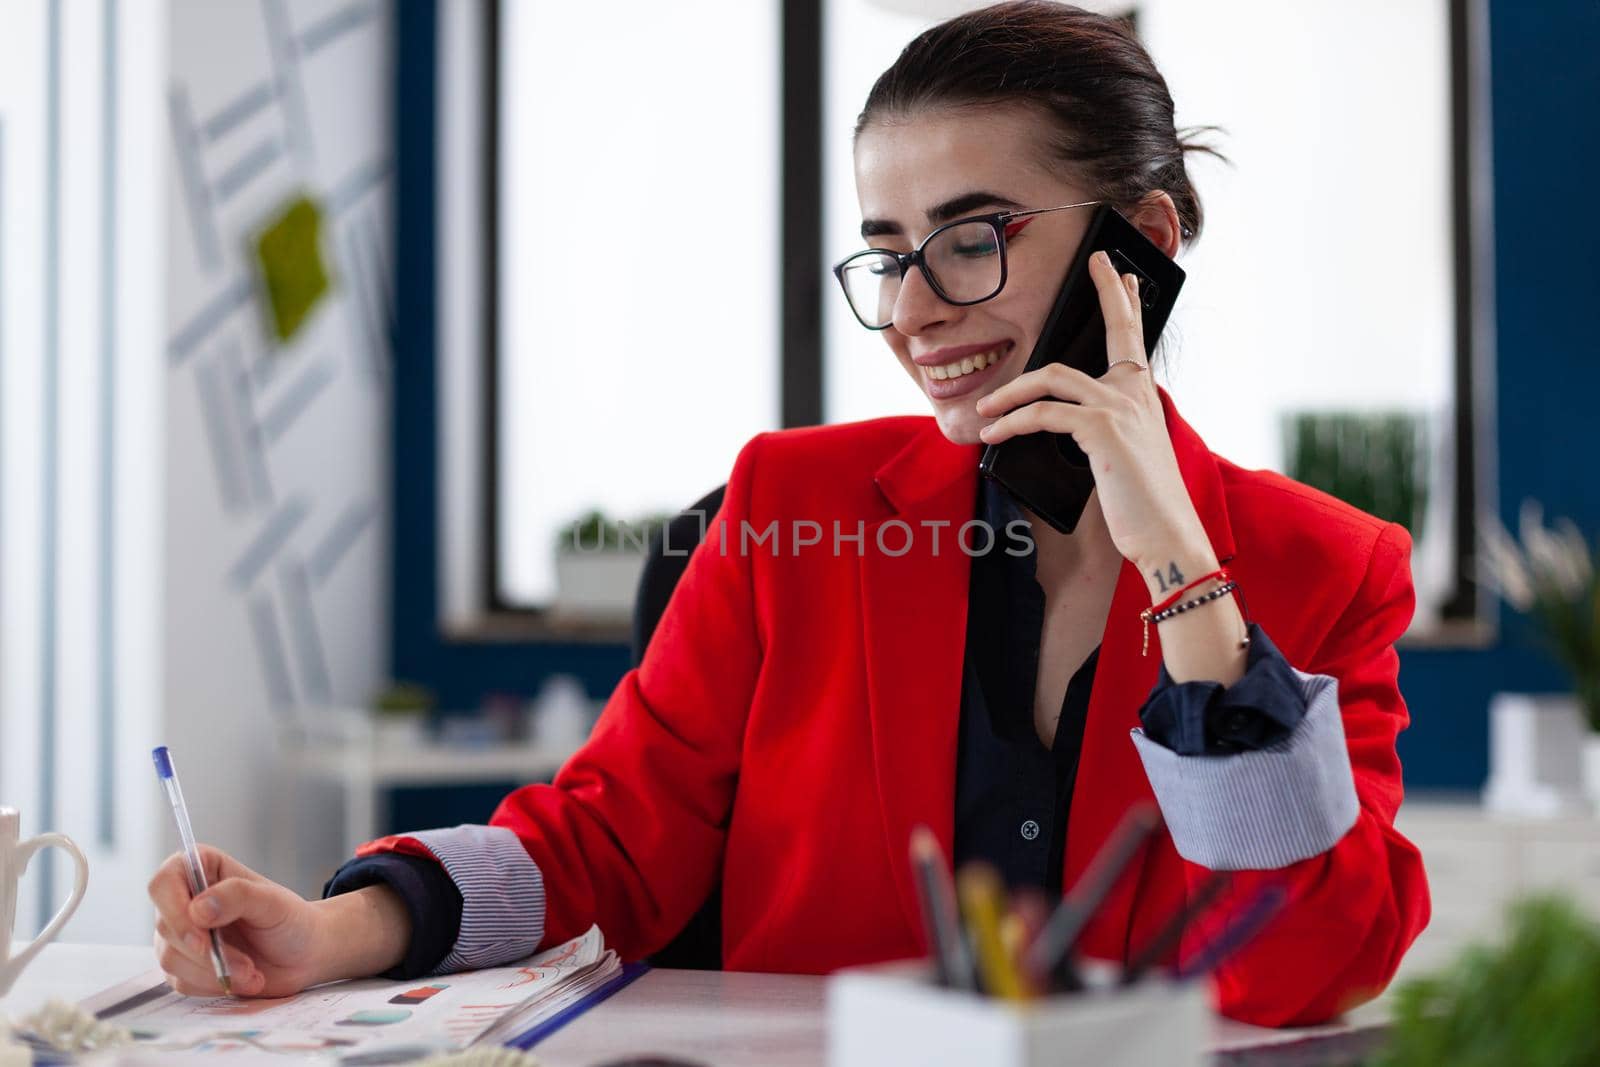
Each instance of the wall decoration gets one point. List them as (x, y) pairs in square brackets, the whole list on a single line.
[(288, 256)]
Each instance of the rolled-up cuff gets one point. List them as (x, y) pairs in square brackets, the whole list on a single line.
[(502, 894), (1262, 809)]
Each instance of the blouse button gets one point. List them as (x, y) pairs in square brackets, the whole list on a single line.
[(1030, 830)]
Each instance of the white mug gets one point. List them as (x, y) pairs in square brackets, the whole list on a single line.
[(14, 857)]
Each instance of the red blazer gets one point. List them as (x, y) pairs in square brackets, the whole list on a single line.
[(795, 717)]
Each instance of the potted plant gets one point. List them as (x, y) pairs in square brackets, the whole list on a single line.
[(1529, 1001), (1376, 460), (598, 560), (1549, 575), (400, 714)]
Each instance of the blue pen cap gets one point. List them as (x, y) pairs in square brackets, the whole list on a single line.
[(163, 761)]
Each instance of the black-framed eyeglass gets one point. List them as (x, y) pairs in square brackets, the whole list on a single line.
[(964, 262)]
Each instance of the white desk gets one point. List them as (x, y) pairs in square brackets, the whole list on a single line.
[(717, 1019)]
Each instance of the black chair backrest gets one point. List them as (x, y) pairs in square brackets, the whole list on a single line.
[(662, 568), (698, 945)]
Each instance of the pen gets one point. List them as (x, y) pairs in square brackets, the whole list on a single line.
[(191, 853), (1168, 935), (939, 911), (1051, 949), (1241, 928)]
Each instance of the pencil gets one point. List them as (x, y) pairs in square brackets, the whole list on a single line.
[(978, 886), (939, 918)]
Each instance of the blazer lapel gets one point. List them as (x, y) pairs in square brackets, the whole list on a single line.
[(914, 614)]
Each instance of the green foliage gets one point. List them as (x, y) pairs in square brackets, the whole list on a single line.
[(594, 532), (1377, 462), (1533, 1001), (403, 698)]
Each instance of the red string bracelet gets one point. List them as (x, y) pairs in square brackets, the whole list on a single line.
[(1220, 574)]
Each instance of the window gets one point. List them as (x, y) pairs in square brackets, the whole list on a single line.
[(638, 263)]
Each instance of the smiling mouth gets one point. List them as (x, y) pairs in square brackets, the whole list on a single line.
[(969, 364)]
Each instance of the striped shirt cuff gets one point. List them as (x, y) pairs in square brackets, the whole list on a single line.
[(1262, 809), (502, 894)]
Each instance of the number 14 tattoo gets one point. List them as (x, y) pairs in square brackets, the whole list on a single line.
[(1171, 579)]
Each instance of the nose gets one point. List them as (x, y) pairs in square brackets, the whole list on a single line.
[(917, 307)]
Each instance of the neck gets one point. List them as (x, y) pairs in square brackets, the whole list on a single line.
[(1088, 547)]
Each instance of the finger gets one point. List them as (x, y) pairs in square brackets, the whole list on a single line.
[(240, 900), (184, 975), (1048, 415), (1055, 381), (169, 892), (1124, 329), (1109, 285), (199, 975), (191, 943)]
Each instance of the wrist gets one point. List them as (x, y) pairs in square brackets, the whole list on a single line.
[(1176, 564), (363, 933)]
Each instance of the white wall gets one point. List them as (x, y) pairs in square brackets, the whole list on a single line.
[(193, 519), (277, 501)]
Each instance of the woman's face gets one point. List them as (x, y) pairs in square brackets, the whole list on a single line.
[(916, 174)]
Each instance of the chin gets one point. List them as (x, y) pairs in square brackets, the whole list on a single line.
[(961, 427)]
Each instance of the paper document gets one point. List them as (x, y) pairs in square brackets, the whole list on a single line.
[(370, 1020)]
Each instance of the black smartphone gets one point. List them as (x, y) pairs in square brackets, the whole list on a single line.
[(1047, 472)]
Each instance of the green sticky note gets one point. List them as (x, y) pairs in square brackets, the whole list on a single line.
[(289, 254)]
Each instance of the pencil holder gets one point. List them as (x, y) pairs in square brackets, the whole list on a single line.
[(894, 1014)]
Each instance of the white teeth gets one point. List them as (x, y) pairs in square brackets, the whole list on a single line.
[(966, 364)]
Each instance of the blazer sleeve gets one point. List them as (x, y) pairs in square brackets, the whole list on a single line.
[(630, 834), (1353, 910)]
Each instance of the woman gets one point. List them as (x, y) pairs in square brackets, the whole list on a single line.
[(830, 674)]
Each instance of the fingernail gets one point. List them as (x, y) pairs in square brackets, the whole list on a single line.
[(1103, 258), (209, 908), (985, 431)]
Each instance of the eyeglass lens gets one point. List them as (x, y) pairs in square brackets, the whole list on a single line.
[(962, 263)]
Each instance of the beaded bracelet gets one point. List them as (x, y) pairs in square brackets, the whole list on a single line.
[(1220, 574), (1159, 614)]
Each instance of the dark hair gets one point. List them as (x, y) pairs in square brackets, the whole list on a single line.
[(1110, 109)]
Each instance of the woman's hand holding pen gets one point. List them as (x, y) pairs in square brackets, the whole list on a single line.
[(275, 941)]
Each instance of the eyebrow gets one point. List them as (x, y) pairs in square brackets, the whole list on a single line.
[(953, 208)]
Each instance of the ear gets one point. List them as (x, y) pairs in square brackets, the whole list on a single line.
[(1157, 218)]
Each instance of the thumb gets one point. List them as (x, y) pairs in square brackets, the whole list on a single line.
[(239, 900)]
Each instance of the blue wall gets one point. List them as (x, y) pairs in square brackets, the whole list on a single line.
[(1546, 275)]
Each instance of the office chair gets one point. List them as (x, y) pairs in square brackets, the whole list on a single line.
[(698, 946)]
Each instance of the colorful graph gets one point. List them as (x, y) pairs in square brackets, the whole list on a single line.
[(376, 1017), (419, 994)]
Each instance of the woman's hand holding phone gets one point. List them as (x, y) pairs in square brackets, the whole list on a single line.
[(1118, 423)]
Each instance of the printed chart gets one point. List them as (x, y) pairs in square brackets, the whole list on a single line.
[(363, 1016)]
